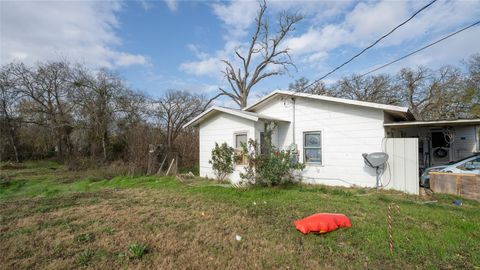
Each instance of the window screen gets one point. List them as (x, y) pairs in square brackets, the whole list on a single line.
[(240, 139), (264, 147), (312, 147)]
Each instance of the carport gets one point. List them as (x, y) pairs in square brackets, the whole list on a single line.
[(439, 142)]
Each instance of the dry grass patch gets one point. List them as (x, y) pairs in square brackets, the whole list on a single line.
[(162, 223), (179, 231)]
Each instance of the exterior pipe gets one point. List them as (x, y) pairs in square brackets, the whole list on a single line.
[(293, 120)]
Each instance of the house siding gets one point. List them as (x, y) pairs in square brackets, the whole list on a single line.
[(465, 142), (221, 128), (347, 132)]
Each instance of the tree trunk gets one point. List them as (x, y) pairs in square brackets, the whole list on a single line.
[(12, 137), (243, 103), (14, 146), (152, 159), (104, 146), (59, 148)]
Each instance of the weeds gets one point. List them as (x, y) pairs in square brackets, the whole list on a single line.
[(109, 230), (84, 238), (136, 251), (85, 257), (87, 223)]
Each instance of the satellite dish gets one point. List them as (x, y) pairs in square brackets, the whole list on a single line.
[(376, 160)]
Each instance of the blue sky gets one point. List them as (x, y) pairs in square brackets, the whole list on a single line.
[(162, 45)]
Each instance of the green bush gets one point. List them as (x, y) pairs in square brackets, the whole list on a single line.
[(272, 167), (223, 160)]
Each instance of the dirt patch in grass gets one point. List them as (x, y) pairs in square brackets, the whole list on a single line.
[(12, 166)]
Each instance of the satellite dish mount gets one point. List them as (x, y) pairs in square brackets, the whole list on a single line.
[(377, 161)]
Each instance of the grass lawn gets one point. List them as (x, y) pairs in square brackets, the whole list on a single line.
[(56, 219)]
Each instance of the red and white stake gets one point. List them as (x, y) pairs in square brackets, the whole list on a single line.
[(390, 224)]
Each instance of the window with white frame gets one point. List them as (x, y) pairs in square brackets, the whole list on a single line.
[(240, 139), (312, 147)]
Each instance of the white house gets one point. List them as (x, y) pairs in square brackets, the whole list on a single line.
[(330, 134)]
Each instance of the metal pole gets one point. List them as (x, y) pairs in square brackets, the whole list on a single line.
[(293, 120)]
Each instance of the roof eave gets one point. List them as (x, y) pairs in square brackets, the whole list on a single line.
[(248, 108), (195, 121), (380, 106), (434, 123)]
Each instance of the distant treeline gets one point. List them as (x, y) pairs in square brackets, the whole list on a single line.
[(74, 114), (446, 93)]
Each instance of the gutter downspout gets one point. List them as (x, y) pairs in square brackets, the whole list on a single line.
[(293, 121), (477, 135)]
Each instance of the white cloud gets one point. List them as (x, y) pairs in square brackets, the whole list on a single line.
[(211, 65), (458, 48), (197, 51), (188, 84), (368, 21), (125, 59), (360, 25), (315, 41), (207, 67), (145, 4), (371, 20), (82, 31), (236, 15), (315, 57), (172, 5)]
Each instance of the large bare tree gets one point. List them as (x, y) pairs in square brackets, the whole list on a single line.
[(434, 94), (265, 57), (47, 92), (96, 94), (303, 85), (175, 109), (473, 85), (9, 97), (377, 88)]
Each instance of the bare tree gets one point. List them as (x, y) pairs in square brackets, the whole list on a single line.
[(96, 95), (303, 85), (473, 85), (48, 91), (175, 109), (274, 59), (432, 95), (75, 112), (9, 97), (378, 88)]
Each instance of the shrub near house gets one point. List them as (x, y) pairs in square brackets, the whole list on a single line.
[(272, 167), (268, 166), (223, 160)]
